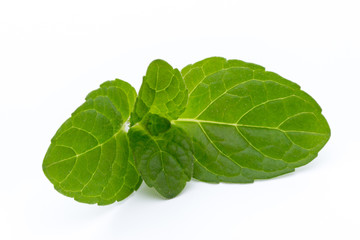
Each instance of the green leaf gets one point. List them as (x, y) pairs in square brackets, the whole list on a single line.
[(247, 123), (89, 158), (162, 152), (162, 92), (165, 160)]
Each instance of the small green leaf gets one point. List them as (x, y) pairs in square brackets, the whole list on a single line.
[(89, 158), (165, 161), (162, 92), (247, 123)]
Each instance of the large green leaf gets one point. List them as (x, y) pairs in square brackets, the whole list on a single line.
[(162, 152), (247, 123), (89, 158)]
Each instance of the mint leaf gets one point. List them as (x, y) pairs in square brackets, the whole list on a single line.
[(89, 157), (162, 152), (247, 123), (162, 92), (165, 160)]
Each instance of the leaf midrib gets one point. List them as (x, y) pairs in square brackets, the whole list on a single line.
[(242, 125)]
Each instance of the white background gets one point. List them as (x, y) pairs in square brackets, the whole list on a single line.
[(52, 53)]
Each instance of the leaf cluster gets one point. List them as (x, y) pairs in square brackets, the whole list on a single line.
[(216, 121)]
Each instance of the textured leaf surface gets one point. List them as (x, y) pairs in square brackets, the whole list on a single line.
[(89, 158), (162, 152), (162, 92), (247, 123), (165, 161)]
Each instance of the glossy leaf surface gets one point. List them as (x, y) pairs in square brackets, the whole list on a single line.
[(247, 123)]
